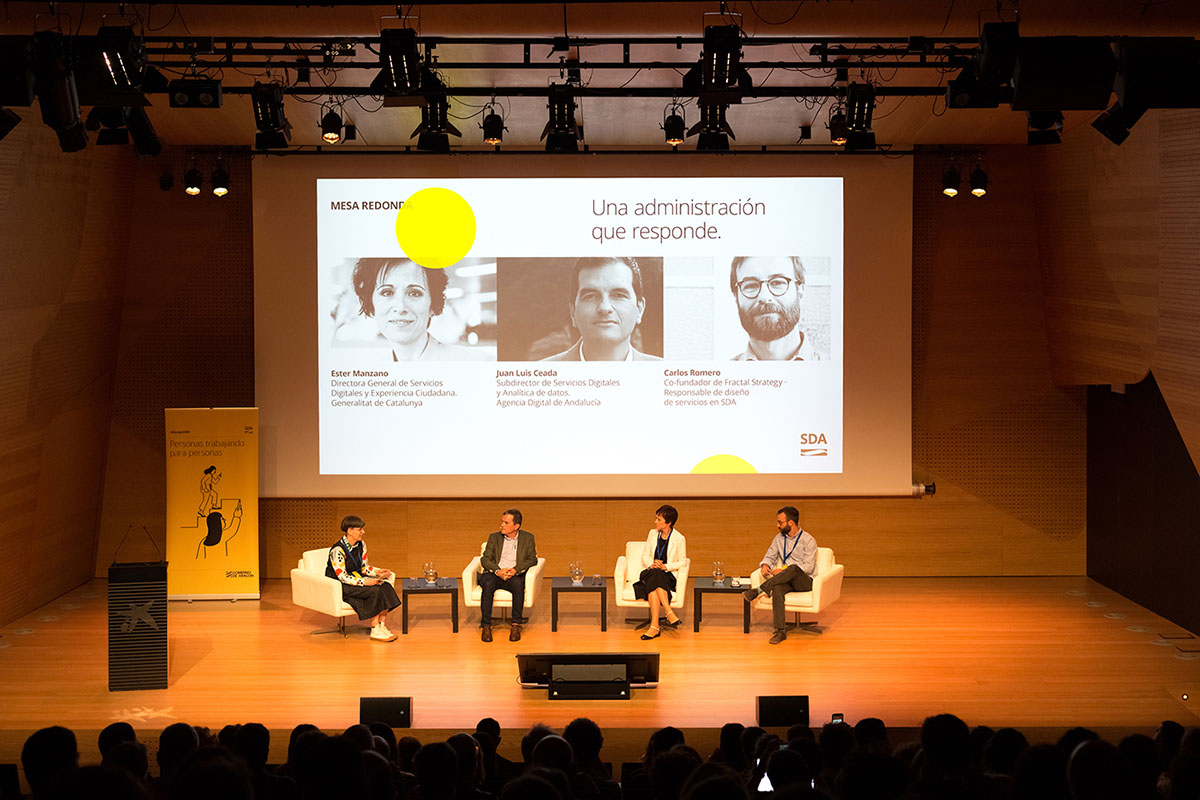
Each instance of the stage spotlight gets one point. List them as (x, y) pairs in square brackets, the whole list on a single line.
[(331, 127), (673, 125), (951, 179), (220, 179), (1115, 123), (839, 131), (9, 119), (714, 130), (433, 134), (493, 127), (401, 60), (109, 123), (54, 85), (194, 93), (192, 180), (979, 181), (860, 106), (1045, 127), (562, 133), (123, 55), (274, 130)]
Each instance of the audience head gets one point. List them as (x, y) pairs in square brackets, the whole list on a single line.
[(113, 735), (660, 742), (1075, 737), (555, 778), (1041, 774), (406, 751), (555, 752), (1139, 763), (786, 769), (491, 727), (436, 766), (530, 740), (175, 744), (730, 747), (227, 737), (671, 770), (47, 756), (131, 757), (297, 732), (800, 732), (980, 736), (871, 734), (1167, 738), (836, 741), (253, 744), (714, 787), (1003, 749), (810, 751), (382, 730), (361, 736), (469, 769), (1094, 772), (585, 739), (377, 775), (332, 767), (945, 745), (748, 742)]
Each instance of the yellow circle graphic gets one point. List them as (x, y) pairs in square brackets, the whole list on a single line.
[(723, 465), (435, 227)]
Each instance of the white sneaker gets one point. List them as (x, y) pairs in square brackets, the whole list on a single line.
[(382, 634), (387, 630)]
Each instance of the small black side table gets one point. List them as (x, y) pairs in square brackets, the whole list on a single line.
[(418, 586), (586, 585), (705, 586)]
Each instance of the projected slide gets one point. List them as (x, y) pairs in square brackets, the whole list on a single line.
[(570, 326)]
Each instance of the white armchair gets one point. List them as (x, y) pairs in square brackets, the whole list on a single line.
[(629, 569), (473, 592), (314, 590), (827, 588)]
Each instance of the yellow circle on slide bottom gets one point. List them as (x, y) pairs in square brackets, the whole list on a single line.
[(723, 465), (435, 227)]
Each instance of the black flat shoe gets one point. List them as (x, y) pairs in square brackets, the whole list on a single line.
[(674, 624), (657, 633)]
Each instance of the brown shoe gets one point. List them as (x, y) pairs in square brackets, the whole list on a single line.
[(778, 636), (485, 634), (514, 633)]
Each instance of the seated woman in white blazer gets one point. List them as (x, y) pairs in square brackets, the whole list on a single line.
[(665, 552)]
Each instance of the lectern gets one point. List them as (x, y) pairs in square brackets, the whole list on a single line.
[(137, 626)]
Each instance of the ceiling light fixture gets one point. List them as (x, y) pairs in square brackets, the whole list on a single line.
[(714, 130), (192, 179), (839, 130), (493, 125), (674, 126), (331, 126), (562, 133), (1116, 122), (274, 130), (54, 84), (401, 60), (951, 179), (220, 179), (979, 180), (433, 134)]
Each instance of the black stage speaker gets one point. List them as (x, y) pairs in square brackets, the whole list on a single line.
[(395, 712), (137, 626), (589, 682), (781, 710)]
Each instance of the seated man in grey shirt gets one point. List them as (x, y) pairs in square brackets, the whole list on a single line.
[(796, 549), (509, 553)]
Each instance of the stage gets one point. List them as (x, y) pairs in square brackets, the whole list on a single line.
[(1036, 653)]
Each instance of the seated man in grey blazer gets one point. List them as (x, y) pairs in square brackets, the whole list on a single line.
[(606, 306), (509, 553)]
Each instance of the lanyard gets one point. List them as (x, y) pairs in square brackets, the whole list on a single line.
[(660, 548), (788, 553)]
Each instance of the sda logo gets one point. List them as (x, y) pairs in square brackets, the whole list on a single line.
[(816, 442)]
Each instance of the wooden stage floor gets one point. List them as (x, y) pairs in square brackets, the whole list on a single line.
[(1029, 652)]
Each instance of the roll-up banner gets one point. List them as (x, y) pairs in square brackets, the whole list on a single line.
[(212, 503)]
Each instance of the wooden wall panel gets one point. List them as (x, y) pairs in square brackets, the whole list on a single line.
[(63, 225), (187, 337)]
